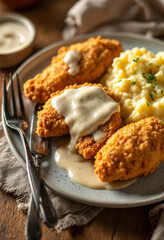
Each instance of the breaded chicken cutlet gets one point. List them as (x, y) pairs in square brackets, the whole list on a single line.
[(96, 56), (88, 147), (134, 150), (51, 124)]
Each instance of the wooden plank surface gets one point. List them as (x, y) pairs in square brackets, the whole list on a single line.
[(114, 224)]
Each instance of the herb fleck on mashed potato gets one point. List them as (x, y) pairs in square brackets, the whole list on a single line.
[(137, 78)]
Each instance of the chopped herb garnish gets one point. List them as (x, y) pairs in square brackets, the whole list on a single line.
[(143, 75), (158, 66), (161, 90), (149, 76), (149, 81), (119, 80), (154, 91), (133, 82), (151, 95), (147, 103), (136, 60), (150, 64), (134, 72)]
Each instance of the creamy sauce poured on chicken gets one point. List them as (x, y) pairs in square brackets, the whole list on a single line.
[(85, 109), (71, 59), (99, 136), (81, 170)]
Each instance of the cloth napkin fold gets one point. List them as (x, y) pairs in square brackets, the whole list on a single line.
[(157, 221), (138, 16), (13, 180)]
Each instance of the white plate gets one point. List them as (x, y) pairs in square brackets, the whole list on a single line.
[(144, 191)]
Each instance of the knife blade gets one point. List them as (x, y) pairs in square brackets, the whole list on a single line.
[(38, 145), (39, 148)]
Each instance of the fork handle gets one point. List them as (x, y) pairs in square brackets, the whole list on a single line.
[(32, 172), (33, 229), (48, 214)]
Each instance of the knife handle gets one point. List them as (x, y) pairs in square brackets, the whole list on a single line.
[(47, 210)]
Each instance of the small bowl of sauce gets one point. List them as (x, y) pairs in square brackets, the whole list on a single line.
[(17, 36)]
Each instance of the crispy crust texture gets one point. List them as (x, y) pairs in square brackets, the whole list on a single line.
[(134, 150), (97, 56), (51, 124), (87, 146)]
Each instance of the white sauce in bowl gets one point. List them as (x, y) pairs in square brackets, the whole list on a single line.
[(71, 59), (14, 36), (84, 109)]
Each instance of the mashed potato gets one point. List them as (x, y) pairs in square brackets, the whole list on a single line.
[(137, 78)]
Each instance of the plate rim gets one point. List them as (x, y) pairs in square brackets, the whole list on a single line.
[(22, 162)]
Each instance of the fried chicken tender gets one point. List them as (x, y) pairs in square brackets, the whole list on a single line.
[(88, 147), (134, 150), (50, 124), (97, 55)]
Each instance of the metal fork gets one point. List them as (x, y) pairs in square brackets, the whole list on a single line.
[(18, 123)]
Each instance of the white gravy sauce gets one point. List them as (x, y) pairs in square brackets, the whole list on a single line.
[(99, 136), (81, 170), (85, 109), (72, 58), (13, 37)]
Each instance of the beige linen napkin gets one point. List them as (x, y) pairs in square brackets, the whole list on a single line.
[(157, 222), (138, 16), (13, 180)]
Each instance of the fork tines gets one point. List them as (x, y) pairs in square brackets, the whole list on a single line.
[(22, 113), (5, 97)]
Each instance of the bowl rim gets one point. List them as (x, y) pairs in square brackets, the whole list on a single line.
[(26, 22)]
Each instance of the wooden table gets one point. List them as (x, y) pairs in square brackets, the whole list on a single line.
[(120, 224)]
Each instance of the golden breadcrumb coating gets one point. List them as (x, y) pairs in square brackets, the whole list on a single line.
[(88, 147), (97, 55), (50, 124), (134, 150)]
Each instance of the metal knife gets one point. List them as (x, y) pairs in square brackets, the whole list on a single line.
[(39, 148)]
